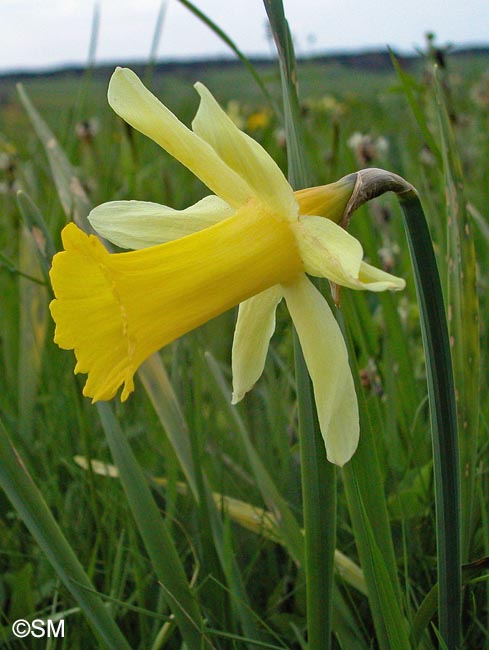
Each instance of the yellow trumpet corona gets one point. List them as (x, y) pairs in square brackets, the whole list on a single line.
[(116, 310)]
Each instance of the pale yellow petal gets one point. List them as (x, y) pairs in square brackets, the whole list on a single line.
[(138, 224), (327, 250), (373, 279), (132, 101), (244, 155), (254, 329), (327, 361)]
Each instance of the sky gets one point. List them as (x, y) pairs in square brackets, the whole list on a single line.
[(45, 34)]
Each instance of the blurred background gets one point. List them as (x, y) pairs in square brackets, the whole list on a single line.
[(52, 33)]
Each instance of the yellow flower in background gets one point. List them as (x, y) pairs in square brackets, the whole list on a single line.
[(258, 119), (250, 243)]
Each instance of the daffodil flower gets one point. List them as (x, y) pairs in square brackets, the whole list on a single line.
[(251, 242)]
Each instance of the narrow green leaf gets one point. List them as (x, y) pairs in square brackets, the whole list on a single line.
[(155, 534), (288, 528), (319, 511), (153, 54), (32, 331), (258, 520), (408, 86), (162, 396), (463, 318), (36, 224), (425, 613), (395, 625), (480, 222), (366, 500), (32, 508), (427, 609), (70, 191), (165, 403), (299, 174), (230, 568)]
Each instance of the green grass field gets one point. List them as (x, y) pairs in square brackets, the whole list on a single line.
[(241, 551)]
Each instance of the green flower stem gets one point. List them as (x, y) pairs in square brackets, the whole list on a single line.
[(318, 476), (319, 511), (443, 419), (441, 393)]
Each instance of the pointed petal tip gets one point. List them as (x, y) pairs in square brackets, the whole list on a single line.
[(341, 446), (375, 279), (122, 70), (340, 461), (336, 462), (119, 77), (118, 71)]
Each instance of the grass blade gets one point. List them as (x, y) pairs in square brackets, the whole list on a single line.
[(409, 85), (32, 331), (463, 317), (73, 199), (166, 405), (259, 521), (366, 500), (288, 528), (33, 510), (155, 535), (162, 396), (153, 54), (299, 174), (36, 224)]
